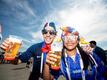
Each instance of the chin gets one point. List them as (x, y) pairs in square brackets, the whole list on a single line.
[(48, 42), (71, 47)]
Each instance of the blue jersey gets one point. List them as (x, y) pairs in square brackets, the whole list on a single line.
[(35, 52), (75, 72), (100, 68)]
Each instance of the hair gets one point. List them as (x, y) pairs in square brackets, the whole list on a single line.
[(85, 57), (93, 42)]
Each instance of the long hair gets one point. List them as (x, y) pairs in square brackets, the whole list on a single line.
[(87, 60)]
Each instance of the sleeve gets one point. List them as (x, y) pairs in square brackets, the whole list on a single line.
[(101, 53), (101, 68), (25, 56)]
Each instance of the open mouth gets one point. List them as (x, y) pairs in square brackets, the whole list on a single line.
[(48, 39)]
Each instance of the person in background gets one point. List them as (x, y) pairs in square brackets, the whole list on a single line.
[(99, 51), (37, 51), (28, 64), (75, 64), (99, 55)]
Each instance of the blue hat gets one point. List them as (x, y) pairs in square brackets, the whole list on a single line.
[(51, 24)]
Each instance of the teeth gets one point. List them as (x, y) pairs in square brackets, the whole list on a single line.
[(70, 44), (48, 39)]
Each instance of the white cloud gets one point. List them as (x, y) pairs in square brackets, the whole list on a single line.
[(27, 8), (88, 17), (37, 36), (21, 9)]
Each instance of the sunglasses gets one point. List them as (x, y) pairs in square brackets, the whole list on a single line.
[(44, 31), (71, 37)]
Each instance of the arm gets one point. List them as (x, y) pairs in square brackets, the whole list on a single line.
[(50, 59), (46, 72), (25, 56), (101, 68)]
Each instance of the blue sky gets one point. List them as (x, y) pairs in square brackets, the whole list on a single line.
[(25, 18)]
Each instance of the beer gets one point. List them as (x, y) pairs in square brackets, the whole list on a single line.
[(13, 48), (56, 65), (56, 48)]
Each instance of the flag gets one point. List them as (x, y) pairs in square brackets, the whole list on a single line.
[(0, 32)]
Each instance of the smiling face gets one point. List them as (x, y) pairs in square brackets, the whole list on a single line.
[(48, 34), (70, 41)]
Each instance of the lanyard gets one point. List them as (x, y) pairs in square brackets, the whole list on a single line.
[(41, 66), (81, 65), (67, 68), (96, 65), (42, 60)]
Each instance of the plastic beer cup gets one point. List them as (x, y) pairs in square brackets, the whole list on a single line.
[(13, 48), (56, 48)]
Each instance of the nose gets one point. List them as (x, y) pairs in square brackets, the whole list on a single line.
[(48, 34)]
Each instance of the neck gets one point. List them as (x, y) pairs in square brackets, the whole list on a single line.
[(48, 44), (71, 52)]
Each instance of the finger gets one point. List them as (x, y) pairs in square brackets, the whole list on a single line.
[(53, 55), (89, 50), (51, 58), (49, 62), (4, 45), (5, 42)]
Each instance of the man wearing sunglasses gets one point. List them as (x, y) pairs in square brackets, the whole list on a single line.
[(38, 51)]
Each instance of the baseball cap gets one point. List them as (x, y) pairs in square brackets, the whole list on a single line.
[(50, 25)]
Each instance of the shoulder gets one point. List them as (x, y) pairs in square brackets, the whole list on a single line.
[(99, 48), (37, 45)]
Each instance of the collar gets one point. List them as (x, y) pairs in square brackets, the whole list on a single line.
[(46, 48)]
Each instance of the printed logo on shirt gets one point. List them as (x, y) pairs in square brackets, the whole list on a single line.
[(38, 56), (77, 71)]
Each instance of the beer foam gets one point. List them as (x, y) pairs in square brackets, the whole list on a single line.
[(56, 48), (57, 45), (15, 39)]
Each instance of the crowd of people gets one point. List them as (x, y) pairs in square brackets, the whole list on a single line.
[(76, 63)]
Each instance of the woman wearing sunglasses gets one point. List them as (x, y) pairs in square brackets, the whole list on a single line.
[(75, 64)]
